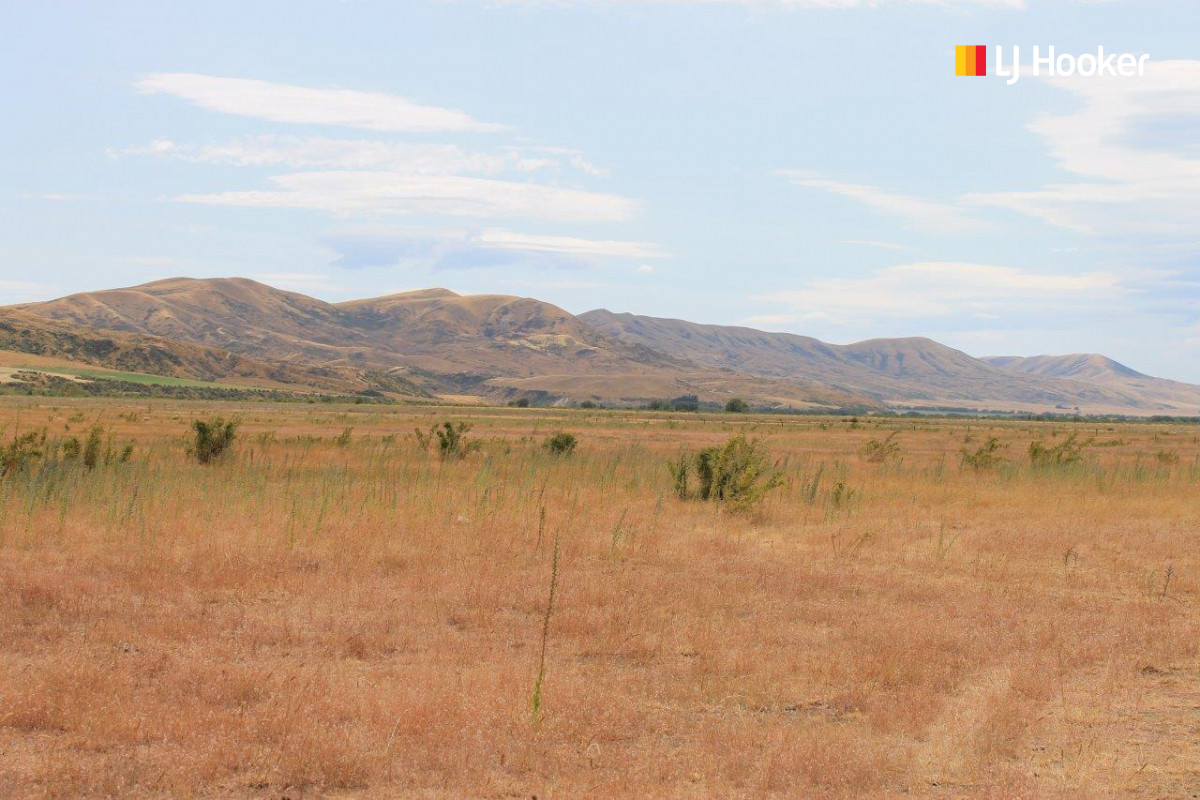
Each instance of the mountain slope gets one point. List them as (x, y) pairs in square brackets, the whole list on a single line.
[(1080, 366), (912, 371), (501, 346), (1152, 393), (237, 314), (155, 355), (489, 335)]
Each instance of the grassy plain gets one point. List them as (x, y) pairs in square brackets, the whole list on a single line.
[(318, 618)]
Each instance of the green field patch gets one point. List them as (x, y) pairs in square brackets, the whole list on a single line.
[(128, 377)]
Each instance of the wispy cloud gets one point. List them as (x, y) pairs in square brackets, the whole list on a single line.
[(346, 192), (492, 247), (568, 245), (939, 288), (929, 216), (1132, 142), (302, 152), (280, 102)]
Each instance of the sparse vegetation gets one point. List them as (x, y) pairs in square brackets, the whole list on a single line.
[(877, 451), (1167, 457), (737, 474), (1014, 631), (986, 456), (1068, 451), (560, 444), (21, 452), (92, 449), (211, 439), (451, 439)]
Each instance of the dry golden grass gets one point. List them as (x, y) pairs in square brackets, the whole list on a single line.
[(307, 619)]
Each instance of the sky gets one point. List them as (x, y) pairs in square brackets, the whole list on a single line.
[(811, 166)]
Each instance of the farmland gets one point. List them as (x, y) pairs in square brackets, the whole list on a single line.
[(331, 609)]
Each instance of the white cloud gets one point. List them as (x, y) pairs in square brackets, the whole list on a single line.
[(279, 102), (938, 288), (915, 212), (645, 269), (348, 192), (567, 245), (467, 249), (362, 154), (1132, 142)]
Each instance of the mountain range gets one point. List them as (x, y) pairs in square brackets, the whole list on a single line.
[(499, 348)]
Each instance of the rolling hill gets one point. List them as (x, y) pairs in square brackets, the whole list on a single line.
[(500, 347), (907, 371), (49, 340)]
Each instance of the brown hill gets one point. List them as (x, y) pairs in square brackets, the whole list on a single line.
[(1158, 394), (1080, 366), (904, 372), (502, 346), (155, 355), (492, 335)]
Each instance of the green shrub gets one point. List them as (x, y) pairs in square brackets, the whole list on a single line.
[(212, 439), (451, 438), (878, 451), (21, 452), (737, 405), (92, 448), (71, 448), (1167, 457), (686, 402), (520, 402), (736, 474), (1068, 451), (986, 457), (561, 444)]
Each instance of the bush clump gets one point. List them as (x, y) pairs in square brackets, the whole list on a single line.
[(1068, 451), (211, 439), (986, 457), (21, 452), (560, 444), (877, 451), (451, 438), (736, 405), (736, 474)]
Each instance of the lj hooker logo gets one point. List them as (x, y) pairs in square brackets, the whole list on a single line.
[(970, 60)]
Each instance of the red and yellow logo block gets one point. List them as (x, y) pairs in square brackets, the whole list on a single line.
[(970, 60)]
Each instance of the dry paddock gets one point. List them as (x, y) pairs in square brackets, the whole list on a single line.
[(311, 617)]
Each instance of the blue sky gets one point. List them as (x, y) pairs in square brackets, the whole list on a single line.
[(803, 165)]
